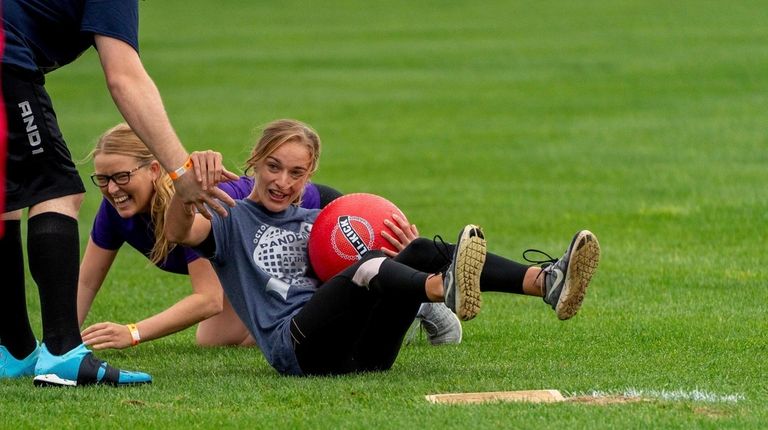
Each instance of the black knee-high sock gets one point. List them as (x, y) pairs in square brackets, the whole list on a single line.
[(15, 332), (502, 275), (499, 274), (53, 245)]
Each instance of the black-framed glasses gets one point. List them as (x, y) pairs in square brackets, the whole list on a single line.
[(119, 178)]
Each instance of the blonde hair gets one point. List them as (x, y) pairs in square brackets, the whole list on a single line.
[(282, 131), (121, 140)]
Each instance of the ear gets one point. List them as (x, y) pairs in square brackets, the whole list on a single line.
[(154, 169)]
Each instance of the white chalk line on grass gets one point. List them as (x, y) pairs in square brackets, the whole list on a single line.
[(693, 395)]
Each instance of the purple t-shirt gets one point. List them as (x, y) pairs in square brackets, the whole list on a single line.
[(110, 230)]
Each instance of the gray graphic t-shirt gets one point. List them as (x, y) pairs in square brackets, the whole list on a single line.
[(262, 262)]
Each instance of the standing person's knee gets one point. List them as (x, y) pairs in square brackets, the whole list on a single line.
[(12, 216), (65, 205)]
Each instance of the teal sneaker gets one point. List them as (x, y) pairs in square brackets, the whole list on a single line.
[(11, 367), (80, 367), (461, 280)]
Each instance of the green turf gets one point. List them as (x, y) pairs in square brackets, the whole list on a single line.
[(643, 121)]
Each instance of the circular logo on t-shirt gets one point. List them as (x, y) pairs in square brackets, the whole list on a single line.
[(282, 254)]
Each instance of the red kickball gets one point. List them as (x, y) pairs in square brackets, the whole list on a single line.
[(346, 229)]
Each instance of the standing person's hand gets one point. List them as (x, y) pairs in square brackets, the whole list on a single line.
[(139, 101), (209, 169), (404, 231), (197, 185)]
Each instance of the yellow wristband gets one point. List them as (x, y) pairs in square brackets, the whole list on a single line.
[(176, 174), (134, 334)]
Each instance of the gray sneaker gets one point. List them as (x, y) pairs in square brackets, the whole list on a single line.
[(441, 325), (461, 280), (566, 280)]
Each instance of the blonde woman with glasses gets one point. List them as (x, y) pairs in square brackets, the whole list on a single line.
[(136, 192)]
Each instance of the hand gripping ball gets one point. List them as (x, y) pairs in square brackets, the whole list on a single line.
[(346, 229)]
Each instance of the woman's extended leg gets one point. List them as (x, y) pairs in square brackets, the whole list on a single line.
[(562, 282), (499, 273)]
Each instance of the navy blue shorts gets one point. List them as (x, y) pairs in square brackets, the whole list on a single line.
[(39, 164)]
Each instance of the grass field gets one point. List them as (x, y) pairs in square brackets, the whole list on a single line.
[(642, 121)]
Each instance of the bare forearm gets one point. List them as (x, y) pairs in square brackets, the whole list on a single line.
[(93, 270), (179, 219), (85, 298), (139, 101), (185, 313)]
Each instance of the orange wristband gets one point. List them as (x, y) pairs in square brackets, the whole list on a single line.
[(176, 174), (134, 334)]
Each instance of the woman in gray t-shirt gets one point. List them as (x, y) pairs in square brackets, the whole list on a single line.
[(355, 321)]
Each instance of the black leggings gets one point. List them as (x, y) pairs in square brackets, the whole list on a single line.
[(347, 328)]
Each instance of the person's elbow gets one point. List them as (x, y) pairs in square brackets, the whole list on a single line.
[(122, 65), (124, 84), (213, 304), (176, 236), (117, 80)]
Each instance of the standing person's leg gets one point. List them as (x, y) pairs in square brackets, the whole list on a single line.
[(41, 176), (53, 249), (16, 337), (38, 170)]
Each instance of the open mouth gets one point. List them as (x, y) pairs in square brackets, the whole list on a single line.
[(277, 195), (120, 199)]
